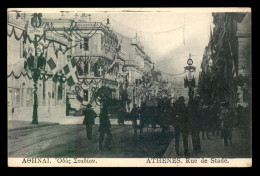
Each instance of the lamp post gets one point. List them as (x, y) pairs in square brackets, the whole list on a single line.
[(188, 81), (37, 62), (33, 61)]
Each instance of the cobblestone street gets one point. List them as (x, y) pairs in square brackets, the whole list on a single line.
[(71, 141)]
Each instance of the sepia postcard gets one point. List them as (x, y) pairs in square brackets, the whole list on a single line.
[(129, 87)]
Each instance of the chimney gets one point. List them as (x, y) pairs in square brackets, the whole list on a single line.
[(89, 18), (62, 15), (108, 24), (76, 17), (84, 17)]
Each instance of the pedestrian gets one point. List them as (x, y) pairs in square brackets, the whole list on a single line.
[(104, 127), (12, 112), (205, 112), (143, 116), (89, 120), (121, 115), (195, 125), (216, 119), (182, 125), (240, 112), (227, 117), (134, 116)]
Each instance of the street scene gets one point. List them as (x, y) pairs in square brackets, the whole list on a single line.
[(115, 84)]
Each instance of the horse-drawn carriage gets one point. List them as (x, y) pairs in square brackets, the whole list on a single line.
[(155, 113)]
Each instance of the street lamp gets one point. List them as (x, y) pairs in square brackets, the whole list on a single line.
[(188, 81), (37, 62)]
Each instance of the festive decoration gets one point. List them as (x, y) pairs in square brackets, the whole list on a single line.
[(70, 72)]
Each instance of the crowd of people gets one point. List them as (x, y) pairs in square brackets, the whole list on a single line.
[(197, 117)]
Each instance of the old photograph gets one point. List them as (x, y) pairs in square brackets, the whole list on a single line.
[(129, 87)]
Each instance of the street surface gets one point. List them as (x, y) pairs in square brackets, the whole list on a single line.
[(71, 141), (214, 147)]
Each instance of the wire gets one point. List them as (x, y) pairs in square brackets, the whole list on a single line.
[(170, 73), (146, 32)]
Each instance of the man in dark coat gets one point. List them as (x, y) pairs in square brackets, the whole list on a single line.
[(195, 125), (121, 115), (104, 127), (181, 125), (215, 119), (89, 120), (143, 116), (205, 112), (227, 118), (134, 116)]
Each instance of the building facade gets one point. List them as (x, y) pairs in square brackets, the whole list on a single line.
[(51, 93), (226, 64)]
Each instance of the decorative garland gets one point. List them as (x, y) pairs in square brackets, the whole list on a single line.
[(51, 28), (17, 77)]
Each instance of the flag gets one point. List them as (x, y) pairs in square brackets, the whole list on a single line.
[(237, 16), (86, 65), (79, 98), (99, 70), (234, 73), (70, 72), (80, 70), (55, 78), (138, 82), (18, 15), (118, 48), (52, 63)]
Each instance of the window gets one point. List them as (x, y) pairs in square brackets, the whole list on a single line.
[(29, 97), (86, 69), (22, 97), (39, 94), (86, 44), (54, 93), (17, 97), (85, 96), (102, 42), (43, 90), (60, 91), (63, 94)]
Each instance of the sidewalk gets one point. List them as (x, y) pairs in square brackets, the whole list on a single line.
[(214, 147), (79, 120), (14, 125)]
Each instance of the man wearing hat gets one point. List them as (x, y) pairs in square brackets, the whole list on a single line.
[(227, 119), (195, 124), (89, 120), (104, 127)]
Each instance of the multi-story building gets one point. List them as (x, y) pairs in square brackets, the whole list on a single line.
[(226, 73), (95, 54), (136, 64), (51, 93)]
